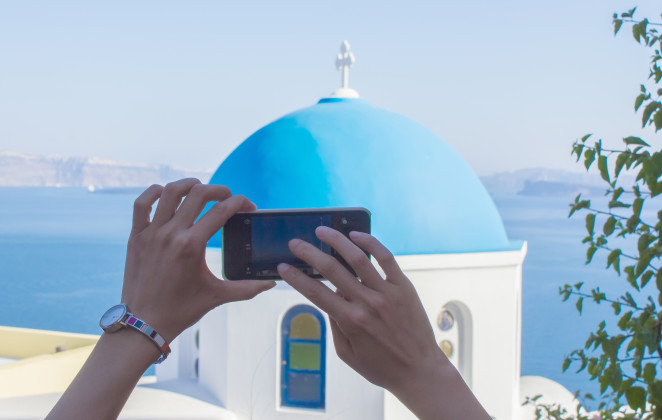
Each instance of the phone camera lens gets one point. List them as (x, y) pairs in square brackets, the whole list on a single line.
[(344, 221)]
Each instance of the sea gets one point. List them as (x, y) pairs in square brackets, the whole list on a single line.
[(62, 255)]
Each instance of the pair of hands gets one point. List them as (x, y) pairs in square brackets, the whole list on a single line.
[(379, 326)]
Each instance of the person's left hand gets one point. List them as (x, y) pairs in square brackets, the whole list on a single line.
[(166, 281)]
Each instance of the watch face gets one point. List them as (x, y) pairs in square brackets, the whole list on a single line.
[(112, 316)]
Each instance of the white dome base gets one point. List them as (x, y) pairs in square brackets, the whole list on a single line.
[(344, 93)]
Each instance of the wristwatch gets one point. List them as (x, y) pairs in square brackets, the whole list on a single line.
[(118, 317)]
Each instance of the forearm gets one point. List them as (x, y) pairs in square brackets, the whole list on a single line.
[(107, 378), (438, 392)]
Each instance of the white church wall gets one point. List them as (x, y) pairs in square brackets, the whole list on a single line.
[(240, 362), (240, 342), (181, 362), (489, 284), (212, 366)]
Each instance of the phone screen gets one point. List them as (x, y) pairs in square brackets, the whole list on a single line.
[(270, 236), (255, 243)]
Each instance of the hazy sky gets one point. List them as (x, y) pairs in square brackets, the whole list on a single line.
[(508, 84)]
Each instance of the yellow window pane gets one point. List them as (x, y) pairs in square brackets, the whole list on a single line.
[(305, 326)]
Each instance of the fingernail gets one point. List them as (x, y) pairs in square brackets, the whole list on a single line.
[(282, 267), (356, 233), (294, 242), (271, 284), (323, 229)]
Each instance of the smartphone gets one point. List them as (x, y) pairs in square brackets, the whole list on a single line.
[(255, 243)]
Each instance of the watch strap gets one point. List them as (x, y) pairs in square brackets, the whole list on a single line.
[(156, 338)]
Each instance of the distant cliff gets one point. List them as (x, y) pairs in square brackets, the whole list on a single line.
[(542, 181), (22, 169)]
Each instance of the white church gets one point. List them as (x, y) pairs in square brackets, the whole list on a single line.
[(273, 357)]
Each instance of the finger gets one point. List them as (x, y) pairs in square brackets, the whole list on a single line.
[(341, 343), (353, 255), (196, 200), (316, 292), (330, 268), (142, 207), (171, 197), (383, 256), (233, 291), (218, 214)]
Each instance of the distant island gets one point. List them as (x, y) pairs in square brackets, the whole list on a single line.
[(540, 188), (548, 182), (27, 170), (19, 169)]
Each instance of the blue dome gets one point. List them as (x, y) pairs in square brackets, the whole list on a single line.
[(423, 196)]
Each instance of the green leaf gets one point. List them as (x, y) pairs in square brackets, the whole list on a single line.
[(636, 33), (620, 161), (578, 305), (649, 372), (636, 397), (646, 278), (643, 26), (652, 106), (608, 227), (617, 204), (578, 206), (639, 101), (629, 300), (657, 120), (636, 206), (634, 140), (643, 243), (577, 150), (639, 30), (617, 25), (597, 295), (623, 322), (655, 389), (586, 137), (589, 158), (566, 364), (629, 13), (617, 307), (610, 347), (590, 223), (590, 251), (642, 264), (631, 278), (614, 259), (602, 166)]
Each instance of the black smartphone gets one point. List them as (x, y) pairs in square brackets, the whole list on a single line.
[(255, 243)]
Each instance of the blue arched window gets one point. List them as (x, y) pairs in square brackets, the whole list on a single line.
[(303, 358)]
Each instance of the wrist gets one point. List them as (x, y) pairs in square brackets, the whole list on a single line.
[(428, 371), (120, 317), (130, 344), (431, 387)]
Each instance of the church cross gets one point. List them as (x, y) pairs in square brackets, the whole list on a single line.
[(344, 61)]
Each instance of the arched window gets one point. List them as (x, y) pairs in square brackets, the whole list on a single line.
[(456, 330), (303, 358)]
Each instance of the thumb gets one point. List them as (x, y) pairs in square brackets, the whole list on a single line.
[(232, 291)]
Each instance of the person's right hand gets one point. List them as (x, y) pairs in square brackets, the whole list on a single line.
[(379, 325), (167, 282)]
